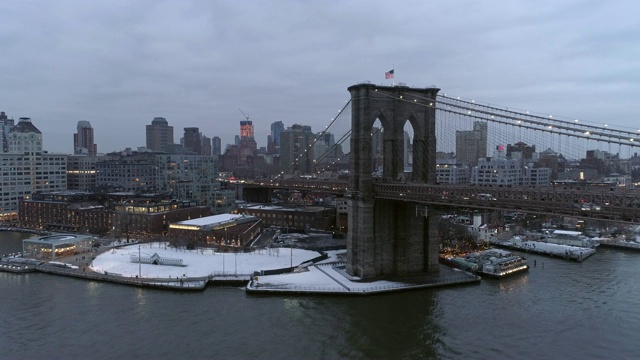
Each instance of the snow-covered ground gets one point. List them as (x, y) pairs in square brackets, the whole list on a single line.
[(197, 263), (323, 277)]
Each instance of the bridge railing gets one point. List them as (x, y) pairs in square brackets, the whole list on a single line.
[(303, 184)]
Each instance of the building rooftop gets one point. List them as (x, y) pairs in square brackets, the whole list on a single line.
[(25, 126), (58, 239), (211, 220)]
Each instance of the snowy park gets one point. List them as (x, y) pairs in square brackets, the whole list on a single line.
[(195, 263)]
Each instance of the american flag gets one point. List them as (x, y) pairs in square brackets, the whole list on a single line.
[(389, 74)]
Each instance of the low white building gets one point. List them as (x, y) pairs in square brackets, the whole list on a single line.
[(452, 174), (508, 172)]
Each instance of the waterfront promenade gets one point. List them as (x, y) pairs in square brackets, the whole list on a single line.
[(331, 278)]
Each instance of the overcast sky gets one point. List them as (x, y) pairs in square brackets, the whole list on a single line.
[(119, 64)]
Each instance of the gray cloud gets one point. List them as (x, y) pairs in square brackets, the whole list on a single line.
[(118, 64)]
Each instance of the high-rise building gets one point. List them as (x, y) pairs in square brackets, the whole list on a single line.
[(81, 172), (6, 125), (407, 151), (377, 155), (83, 142), (193, 177), (25, 137), (159, 135), (276, 129), (326, 152), (526, 151), (205, 148), (216, 145), (471, 145), (192, 140), (26, 169), (246, 129), (127, 171), (296, 152)]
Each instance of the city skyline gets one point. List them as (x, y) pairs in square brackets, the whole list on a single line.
[(197, 63)]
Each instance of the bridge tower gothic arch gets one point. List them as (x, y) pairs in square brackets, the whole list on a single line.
[(391, 238)]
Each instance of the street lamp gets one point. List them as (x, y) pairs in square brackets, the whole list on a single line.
[(290, 246), (139, 263)]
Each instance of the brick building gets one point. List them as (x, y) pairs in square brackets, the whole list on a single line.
[(223, 231), (124, 215)]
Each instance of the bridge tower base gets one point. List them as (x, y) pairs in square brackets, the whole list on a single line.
[(392, 240)]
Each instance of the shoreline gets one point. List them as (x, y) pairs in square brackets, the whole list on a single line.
[(446, 277)]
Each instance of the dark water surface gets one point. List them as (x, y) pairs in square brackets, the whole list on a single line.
[(559, 310)]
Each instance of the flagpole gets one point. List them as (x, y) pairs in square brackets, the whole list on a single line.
[(391, 75), (393, 82)]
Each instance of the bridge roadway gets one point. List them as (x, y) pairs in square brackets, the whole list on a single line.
[(614, 205)]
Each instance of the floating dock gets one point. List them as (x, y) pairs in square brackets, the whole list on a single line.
[(624, 245)]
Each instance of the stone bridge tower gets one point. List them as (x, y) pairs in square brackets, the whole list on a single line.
[(391, 238)]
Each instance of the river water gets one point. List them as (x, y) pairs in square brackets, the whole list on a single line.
[(558, 310)]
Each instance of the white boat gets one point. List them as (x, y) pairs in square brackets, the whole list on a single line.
[(498, 263)]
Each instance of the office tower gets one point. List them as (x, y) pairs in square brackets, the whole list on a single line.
[(159, 135), (192, 141), (216, 145), (189, 177), (25, 137), (247, 146), (127, 171), (83, 142), (296, 153), (6, 125), (377, 155), (246, 129), (407, 152), (81, 172), (205, 148), (326, 148), (28, 169), (472, 144), (526, 151), (273, 139), (276, 129)]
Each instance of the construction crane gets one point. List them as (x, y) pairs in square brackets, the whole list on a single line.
[(246, 117)]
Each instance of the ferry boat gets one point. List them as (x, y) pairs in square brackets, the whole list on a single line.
[(498, 263)]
